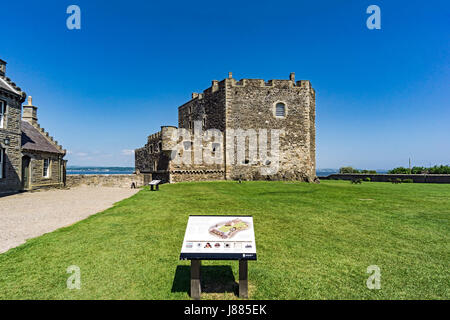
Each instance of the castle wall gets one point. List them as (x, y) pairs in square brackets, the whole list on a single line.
[(147, 158), (251, 105), (248, 104), (101, 180), (208, 109)]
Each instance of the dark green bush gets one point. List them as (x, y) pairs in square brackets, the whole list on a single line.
[(422, 170), (407, 180), (367, 179), (348, 170)]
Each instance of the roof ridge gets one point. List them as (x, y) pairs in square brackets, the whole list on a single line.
[(47, 136), (46, 143)]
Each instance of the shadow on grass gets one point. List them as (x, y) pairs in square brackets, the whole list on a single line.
[(214, 279)]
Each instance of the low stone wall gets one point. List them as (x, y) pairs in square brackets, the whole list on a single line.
[(104, 180), (196, 176), (417, 178)]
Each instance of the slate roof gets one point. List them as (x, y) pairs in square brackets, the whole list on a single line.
[(33, 140), (8, 85)]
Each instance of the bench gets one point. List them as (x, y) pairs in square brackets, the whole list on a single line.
[(153, 184)]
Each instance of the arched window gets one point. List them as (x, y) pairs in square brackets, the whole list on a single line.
[(280, 109)]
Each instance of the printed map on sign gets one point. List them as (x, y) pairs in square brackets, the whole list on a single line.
[(228, 229), (219, 237)]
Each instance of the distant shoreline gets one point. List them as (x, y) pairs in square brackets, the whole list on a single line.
[(130, 170), (99, 170)]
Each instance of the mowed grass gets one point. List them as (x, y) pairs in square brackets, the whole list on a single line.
[(313, 242)]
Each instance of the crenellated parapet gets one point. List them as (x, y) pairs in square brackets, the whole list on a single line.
[(154, 136)]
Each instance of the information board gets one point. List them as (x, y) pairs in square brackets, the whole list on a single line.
[(219, 238)]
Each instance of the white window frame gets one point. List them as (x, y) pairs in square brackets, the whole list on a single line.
[(46, 174), (2, 162), (2, 113)]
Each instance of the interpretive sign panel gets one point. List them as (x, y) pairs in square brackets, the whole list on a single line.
[(219, 238)]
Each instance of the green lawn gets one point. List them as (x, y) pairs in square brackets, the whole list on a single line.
[(313, 242)]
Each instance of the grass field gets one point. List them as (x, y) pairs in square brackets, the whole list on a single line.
[(313, 242)]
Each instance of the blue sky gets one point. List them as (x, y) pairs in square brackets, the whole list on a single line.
[(382, 95)]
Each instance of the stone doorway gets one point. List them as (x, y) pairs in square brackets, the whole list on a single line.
[(26, 172)]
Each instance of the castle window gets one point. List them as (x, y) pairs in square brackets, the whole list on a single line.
[(187, 145), (160, 146), (2, 162), (46, 170), (280, 110), (215, 147), (2, 113), (151, 149)]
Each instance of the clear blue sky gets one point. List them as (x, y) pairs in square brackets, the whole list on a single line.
[(382, 95)]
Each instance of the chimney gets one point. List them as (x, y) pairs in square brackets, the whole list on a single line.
[(30, 112), (230, 75), (2, 67), (292, 76)]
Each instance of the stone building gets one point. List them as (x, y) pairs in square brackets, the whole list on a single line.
[(251, 106), (29, 157)]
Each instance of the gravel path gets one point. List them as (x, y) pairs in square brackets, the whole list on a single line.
[(31, 214)]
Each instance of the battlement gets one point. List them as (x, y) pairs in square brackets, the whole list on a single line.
[(279, 84), (255, 83), (154, 136)]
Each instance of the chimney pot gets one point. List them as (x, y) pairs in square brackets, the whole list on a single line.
[(30, 112), (230, 75)]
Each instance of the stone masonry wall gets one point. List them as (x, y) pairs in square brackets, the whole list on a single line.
[(97, 180), (11, 130), (246, 104), (251, 105), (37, 179)]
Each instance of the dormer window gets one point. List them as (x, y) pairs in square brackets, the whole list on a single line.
[(2, 113), (280, 110)]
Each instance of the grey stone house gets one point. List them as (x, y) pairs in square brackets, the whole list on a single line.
[(249, 104), (29, 157)]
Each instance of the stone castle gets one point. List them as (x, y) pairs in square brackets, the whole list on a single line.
[(248, 104)]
